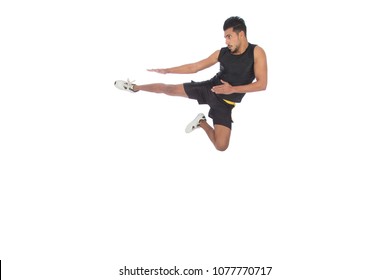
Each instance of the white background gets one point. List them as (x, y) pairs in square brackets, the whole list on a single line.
[(93, 179)]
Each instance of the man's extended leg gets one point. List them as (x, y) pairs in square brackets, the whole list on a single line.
[(219, 135), (172, 90)]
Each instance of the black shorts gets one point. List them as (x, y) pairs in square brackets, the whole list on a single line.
[(220, 111)]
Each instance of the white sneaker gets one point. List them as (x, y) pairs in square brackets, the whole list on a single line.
[(125, 85), (195, 123)]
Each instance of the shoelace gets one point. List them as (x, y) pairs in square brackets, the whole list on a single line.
[(130, 84)]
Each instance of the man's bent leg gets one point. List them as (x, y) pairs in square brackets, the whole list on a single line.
[(222, 137), (172, 90), (219, 135)]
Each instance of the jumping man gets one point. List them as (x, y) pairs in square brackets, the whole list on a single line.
[(240, 64)]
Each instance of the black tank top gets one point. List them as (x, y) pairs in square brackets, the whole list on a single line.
[(237, 70)]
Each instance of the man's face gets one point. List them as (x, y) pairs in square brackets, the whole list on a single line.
[(232, 40)]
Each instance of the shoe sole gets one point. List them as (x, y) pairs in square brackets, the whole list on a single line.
[(195, 123)]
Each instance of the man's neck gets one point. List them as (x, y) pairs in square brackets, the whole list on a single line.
[(243, 48)]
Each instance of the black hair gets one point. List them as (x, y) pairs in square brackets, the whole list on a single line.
[(237, 23)]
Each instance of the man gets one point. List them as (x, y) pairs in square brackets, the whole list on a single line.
[(240, 64)]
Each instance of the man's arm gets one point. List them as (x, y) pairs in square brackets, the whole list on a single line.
[(260, 68), (190, 68)]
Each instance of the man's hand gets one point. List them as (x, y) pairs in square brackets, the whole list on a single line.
[(160, 71), (225, 88)]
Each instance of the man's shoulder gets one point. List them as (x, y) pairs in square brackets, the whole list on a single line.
[(257, 47), (224, 49), (222, 52), (258, 50)]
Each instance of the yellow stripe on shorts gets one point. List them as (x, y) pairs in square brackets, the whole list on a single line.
[(230, 102)]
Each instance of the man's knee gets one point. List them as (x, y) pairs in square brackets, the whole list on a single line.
[(221, 145), (176, 90), (222, 137)]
